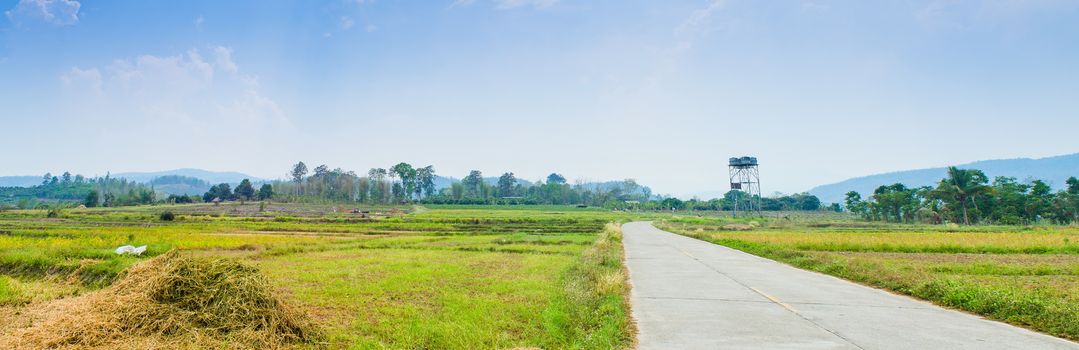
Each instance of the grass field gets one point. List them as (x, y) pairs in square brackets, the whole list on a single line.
[(491, 277), (410, 277), (1028, 276)]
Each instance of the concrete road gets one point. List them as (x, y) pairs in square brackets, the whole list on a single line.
[(691, 294)]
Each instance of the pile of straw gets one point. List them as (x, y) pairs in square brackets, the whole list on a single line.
[(171, 301)]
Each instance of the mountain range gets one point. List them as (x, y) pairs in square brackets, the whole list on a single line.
[(1053, 170)]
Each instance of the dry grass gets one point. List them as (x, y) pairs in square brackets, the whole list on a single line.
[(171, 301)]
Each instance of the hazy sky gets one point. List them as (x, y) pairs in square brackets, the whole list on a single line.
[(660, 91)]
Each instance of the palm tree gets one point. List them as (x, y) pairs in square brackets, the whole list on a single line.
[(962, 187)]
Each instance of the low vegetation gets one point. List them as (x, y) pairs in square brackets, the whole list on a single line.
[(1022, 275)]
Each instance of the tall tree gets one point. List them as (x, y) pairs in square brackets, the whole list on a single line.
[(298, 172), (245, 191), (425, 181), (265, 192), (473, 183), (961, 188), (378, 188), (505, 184), (407, 174), (1073, 197)]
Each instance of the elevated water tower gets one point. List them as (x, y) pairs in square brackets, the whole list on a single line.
[(746, 178)]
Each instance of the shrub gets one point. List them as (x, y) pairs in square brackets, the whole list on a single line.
[(167, 216)]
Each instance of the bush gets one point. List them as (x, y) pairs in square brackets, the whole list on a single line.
[(53, 213), (167, 216)]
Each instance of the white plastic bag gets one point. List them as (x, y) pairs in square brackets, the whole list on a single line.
[(127, 249)]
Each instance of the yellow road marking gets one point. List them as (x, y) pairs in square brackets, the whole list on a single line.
[(775, 300)]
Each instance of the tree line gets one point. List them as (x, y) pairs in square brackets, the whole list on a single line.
[(405, 183), (779, 202), (69, 188), (967, 196)]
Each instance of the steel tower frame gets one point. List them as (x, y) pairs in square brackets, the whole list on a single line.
[(745, 177)]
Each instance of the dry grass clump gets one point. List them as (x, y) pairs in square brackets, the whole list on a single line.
[(170, 301)]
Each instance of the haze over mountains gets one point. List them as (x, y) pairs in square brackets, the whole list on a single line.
[(1054, 170)]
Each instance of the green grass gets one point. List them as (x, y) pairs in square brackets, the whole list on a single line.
[(1027, 276), (458, 277)]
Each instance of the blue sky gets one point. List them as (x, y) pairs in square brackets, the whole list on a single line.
[(660, 91)]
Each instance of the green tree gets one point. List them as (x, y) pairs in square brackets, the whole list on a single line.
[(244, 191), (506, 183), (298, 172), (407, 174), (894, 201), (961, 188), (221, 191), (556, 178), (91, 199), (1041, 200), (378, 188), (473, 184), (1072, 201), (1008, 203), (855, 204), (425, 181), (265, 192)]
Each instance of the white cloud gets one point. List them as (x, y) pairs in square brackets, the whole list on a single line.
[(345, 23), (223, 59), (510, 4), (967, 15), (185, 93), (90, 78), (198, 22), (461, 3), (56, 12), (688, 31), (371, 28)]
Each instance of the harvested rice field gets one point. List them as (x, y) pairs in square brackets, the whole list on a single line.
[(313, 276)]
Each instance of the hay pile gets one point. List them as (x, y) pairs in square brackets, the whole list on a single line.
[(171, 301)]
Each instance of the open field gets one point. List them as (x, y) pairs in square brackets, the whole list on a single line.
[(411, 277), (1028, 276)]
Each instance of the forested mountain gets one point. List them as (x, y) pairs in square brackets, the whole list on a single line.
[(180, 185), (1055, 170), (205, 175)]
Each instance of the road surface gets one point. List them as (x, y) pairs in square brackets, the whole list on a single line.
[(691, 294)]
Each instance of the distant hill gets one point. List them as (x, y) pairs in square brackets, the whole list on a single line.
[(179, 185), (179, 181), (213, 177), (19, 181), (1053, 170)]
